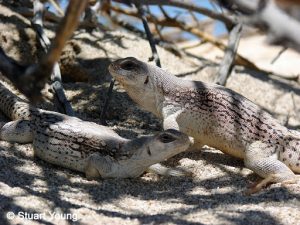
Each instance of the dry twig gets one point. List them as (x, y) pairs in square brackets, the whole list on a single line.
[(189, 6), (35, 76), (142, 15), (230, 54), (57, 7), (155, 57), (37, 24), (240, 60), (283, 28)]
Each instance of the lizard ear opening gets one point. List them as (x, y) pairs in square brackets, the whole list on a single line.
[(147, 80), (128, 65)]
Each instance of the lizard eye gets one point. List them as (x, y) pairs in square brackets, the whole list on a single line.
[(166, 138), (128, 65)]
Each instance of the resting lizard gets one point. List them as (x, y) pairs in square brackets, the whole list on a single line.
[(215, 116), (85, 146)]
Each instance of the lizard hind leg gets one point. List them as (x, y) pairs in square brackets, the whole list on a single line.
[(17, 131), (263, 160)]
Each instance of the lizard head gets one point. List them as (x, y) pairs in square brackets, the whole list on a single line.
[(140, 80), (161, 146), (129, 71)]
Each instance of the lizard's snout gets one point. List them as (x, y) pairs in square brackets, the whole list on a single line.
[(171, 135), (112, 67)]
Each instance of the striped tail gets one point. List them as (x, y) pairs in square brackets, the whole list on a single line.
[(13, 106)]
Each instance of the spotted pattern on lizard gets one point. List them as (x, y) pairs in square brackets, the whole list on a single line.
[(216, 116)]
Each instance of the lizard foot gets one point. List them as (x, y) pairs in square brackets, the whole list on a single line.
[(259, 185), (273, 178), (294, 180)]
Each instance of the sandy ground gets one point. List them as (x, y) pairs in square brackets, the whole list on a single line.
[(30, 187)]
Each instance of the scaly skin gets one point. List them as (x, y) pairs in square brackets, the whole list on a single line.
[(85, 146), (216, 116)]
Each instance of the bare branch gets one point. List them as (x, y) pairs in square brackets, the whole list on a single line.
[(142, 15), (37, 23), (189, 6), (279, 54), (240, 60), (106, 103), (155, 57), (229, 56), (35, 76), (283, 28), (57, 7), (49, 16)]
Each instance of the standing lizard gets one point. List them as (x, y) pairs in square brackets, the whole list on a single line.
[(216, 116), (86, 146)]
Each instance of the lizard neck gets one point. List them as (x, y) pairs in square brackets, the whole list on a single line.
[(162, 85)]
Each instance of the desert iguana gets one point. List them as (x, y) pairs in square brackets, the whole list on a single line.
[(215, 116), (85, 146)]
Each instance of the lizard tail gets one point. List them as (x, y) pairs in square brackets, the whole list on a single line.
[(13, 106)]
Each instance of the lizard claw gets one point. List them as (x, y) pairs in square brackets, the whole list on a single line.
[(295, 180), (259, 185)]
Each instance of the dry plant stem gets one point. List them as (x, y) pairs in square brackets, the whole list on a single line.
[(155, 57), (141, 13), (230, 54), (189, 6), (282, 28), (11, 68), (106, 103), (205, 37), (279, 54), (57, 7), (65, 30), (240, 60), (28, 13), (37, 75), (171, 47), (37, 23)]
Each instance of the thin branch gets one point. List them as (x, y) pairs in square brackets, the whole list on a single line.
[(37, 24), (240, 60), (49, 16), (106, 103), (35, 76), (279, 54), (283, 28), (157, 29), (11, 68), (189, 6), (230, 54), (65, 30), (142, 15), (57, 7), (166, 15), (171, 47), (155, 57)]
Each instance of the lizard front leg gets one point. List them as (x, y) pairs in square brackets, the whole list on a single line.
[(166, 171), (17, 131), (169, 123), (263, 160), (97, 166)]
